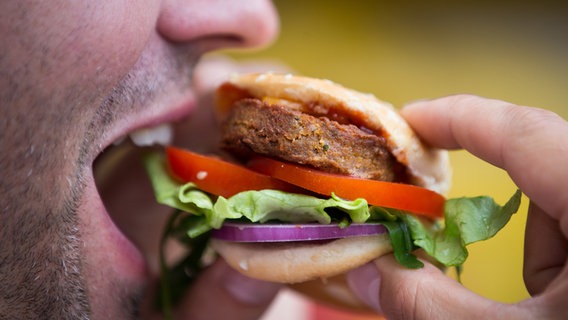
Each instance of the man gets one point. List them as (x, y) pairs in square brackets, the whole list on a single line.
[(76, 76)]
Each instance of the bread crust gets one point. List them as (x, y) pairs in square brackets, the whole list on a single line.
[(294, 262), (427, 167)]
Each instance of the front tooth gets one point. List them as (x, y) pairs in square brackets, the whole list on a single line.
[(119, 141), (161, 134)]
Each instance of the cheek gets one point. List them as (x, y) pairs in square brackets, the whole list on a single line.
[(104, 40), (64, 57), (57, 44)]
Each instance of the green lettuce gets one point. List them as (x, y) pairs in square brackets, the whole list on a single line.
[(467, 220)]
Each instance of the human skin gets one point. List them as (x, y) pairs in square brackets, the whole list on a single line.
[(532, 146), (74, 77)]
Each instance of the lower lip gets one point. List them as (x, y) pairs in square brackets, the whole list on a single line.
[(104, 244)]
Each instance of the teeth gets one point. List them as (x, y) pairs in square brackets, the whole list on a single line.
[(161, 135), (119, 141)]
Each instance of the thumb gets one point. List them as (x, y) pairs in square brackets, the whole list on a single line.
[(426, 293)]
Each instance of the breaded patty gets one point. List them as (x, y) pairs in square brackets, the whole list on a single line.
[(254, 127)]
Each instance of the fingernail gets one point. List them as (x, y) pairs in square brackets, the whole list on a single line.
[(249, 291), (365, 282)]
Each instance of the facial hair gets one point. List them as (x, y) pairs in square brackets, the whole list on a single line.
[(41, 258)]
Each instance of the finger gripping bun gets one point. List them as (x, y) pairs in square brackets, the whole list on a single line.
[(426, 167)]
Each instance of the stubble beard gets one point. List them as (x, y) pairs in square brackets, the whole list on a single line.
[(41, 256), (40, 272)]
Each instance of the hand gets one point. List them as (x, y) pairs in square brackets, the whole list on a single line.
[(532, 146)]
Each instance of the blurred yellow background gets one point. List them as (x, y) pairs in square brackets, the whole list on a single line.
[(407, 50)]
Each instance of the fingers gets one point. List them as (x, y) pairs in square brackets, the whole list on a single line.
[(546, 251), (427, 293), (223, 293), (530, 144)]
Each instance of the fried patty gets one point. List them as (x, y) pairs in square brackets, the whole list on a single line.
[(254, 127)]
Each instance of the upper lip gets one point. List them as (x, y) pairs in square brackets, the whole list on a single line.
[(149, 119)]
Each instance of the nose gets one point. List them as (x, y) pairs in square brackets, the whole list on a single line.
[(248, 23)]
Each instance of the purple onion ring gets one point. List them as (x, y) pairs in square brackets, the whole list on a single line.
[(248, 232)]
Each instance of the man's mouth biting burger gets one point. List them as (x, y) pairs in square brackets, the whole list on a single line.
[(322, 179)]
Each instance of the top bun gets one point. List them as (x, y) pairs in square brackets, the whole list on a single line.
[(427, 167)]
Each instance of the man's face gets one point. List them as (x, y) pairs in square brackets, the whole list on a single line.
[(75, 76)]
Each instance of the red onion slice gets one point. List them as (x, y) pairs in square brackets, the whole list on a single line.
[(248, 232)]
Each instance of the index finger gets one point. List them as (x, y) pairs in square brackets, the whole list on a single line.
[(530, 144)]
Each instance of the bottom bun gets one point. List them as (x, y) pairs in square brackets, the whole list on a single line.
[(295, 262)]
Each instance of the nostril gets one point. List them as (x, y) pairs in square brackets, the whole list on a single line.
[(250, 23)]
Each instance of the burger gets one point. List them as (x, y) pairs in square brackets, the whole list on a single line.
[(315, 179)]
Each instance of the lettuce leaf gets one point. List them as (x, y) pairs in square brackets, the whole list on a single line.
[(466, 220)]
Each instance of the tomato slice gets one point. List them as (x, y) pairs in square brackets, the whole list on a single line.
[(226, 179), (220, 177), (387, 194)]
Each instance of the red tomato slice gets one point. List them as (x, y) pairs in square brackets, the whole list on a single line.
[(220, 177), (387, 194)]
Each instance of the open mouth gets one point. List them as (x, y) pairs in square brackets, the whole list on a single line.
[(122, 181), (126, 193)]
